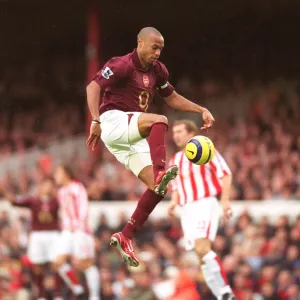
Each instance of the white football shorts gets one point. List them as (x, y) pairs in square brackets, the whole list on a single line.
[(78, 244), (200, 219), (41, 246), (121, 136)]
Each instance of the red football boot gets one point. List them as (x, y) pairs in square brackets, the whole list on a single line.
[(125, 247), (163, 178)]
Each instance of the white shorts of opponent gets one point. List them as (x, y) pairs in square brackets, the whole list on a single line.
[(200, 219), (41, 246), (121, 136), (78, 244)]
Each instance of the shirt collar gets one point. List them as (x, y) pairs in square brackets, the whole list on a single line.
[(137, 63)]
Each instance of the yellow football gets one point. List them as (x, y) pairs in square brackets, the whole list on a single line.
[(199, 150)]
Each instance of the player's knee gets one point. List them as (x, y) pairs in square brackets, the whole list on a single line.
[(161, 119), (54, 266), (81, 265), (58, 262), (202, 247)]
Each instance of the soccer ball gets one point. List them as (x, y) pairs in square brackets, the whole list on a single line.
[(199, 150)]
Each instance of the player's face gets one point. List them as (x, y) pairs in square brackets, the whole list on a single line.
[(46, 188), (59, 176), (150, 48), (181, 135)]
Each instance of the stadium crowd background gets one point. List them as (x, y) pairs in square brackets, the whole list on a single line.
[(261, 260), (257, 131)]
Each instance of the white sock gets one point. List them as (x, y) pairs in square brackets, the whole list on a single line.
[(210, 281), (214, 275), (70, 278), (92, 277)]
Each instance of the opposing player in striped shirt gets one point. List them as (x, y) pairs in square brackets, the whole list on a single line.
[(196, 189), (76, 240)]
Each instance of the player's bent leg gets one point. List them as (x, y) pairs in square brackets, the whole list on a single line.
[(67, 274), (38, 273), (140, 164), (156, 126), (59, 261), (82, 264), (146, 176), (123, 240), (124, 245), (146, 121), (212, 269), (84, 253), (202, 247), (163, 178), (92, 276)]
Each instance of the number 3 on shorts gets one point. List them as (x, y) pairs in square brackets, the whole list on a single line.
[(144, 99)]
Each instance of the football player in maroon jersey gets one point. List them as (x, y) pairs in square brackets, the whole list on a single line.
[(127, 85), (44, 228)]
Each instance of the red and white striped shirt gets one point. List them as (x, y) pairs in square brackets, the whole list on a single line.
[(196, 182), (74, 207)]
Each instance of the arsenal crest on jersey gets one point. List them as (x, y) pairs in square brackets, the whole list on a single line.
[(146, 80)]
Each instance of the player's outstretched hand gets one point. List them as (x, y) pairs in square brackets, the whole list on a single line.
[(227, 211), (208, 119), (95, 133)]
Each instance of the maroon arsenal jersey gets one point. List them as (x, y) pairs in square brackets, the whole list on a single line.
[(127, 86), (44, 212)]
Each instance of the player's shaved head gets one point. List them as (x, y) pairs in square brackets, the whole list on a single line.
[(147, 31), (150, 44)]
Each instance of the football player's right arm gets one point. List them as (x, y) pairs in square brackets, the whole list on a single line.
[(173, 203), (21, 201), (113, 71), (93, 97)]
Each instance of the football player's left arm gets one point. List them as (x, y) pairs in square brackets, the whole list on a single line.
[(179, 102), (225, 195)]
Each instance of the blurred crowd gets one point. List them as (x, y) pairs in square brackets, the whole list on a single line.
[(261, 143), (41, 102), (262, 261)]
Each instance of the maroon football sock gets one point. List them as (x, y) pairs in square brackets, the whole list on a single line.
[(144, 208), (39, 278), (58, 285), (157, 144)]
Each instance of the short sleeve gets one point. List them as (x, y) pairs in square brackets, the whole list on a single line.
[(113, 72), (220, 166), (165, 89)]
